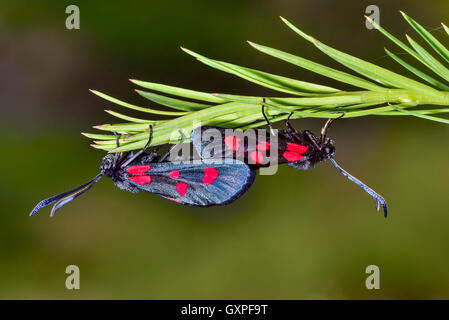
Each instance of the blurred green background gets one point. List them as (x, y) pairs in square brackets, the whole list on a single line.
[(294, 235)]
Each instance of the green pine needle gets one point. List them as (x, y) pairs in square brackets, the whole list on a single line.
[(386, 93)]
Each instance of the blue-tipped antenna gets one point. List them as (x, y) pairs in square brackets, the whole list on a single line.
[(378, 199), (66, 200)]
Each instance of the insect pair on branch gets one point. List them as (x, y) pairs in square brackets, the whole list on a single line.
[(218, 177)]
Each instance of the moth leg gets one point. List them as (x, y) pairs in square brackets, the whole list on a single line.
[(266, 118), (116, 156), (312, 139), (326, 127), (116, 139), (151, 156), (137, 154), (172, 148), (287, 122)]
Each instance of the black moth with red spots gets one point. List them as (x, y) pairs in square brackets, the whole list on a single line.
[(294, 148), (301, 150), (197, 183)]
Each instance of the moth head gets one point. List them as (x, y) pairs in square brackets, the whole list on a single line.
[(107, 163), (328, 148)]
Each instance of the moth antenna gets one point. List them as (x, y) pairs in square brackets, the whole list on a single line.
[(66, 200), (378, 199), (48, 201)]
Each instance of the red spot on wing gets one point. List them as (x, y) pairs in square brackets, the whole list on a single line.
[(232, 143), (210, 174), (181, 188), (140, 180), (292, 156), (263, 146), (174, 174), (298, 148), (256, 157), (138, 169)]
